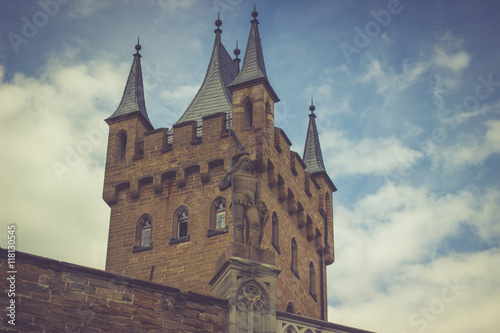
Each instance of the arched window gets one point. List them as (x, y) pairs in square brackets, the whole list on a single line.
[(144, 233), (180, 225), (248, 114), (220, 213), (275, 237), (122, 146), (312, 280), (295, 265), (290, 308), (218, 217)]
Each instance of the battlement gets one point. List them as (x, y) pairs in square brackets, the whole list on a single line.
[(181, 158), (180, 153)]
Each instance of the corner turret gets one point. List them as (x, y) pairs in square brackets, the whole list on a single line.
[(133, 103)]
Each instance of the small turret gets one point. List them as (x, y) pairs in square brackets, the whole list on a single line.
[(132, 102), (312, 150), (254, 69)]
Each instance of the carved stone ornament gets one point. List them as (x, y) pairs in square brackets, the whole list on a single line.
[(252, 308)]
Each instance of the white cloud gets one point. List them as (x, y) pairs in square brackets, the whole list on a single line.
[(456, 62), (387, 81), (56, 119), (366, 156), (470, 148), (85, 8), (388, 266)]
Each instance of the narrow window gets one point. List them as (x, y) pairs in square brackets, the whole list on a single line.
[(248, 114), (182, 223), (220, 214), (289, 308), (122, 146), (218, 223), (144, 232), (180, 226), (295, 265), (275, 237), (312, 280)]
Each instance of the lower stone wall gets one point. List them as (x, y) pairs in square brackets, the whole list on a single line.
[(54, 296)]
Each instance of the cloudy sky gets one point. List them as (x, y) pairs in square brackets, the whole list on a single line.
[(407, 97)]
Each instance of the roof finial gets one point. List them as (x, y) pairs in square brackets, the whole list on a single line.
[(237, 53), (138, 46), (254, 13), (312, 107), (237, 50), (218, 22)]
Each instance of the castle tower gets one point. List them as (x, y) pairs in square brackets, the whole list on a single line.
[(170, 222)]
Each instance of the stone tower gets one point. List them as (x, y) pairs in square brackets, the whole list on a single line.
[(169, 220)]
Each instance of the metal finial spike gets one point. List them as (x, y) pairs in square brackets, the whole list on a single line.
[(254, 13), (236, 50), (138, 46), (218, 22), (312, 107)]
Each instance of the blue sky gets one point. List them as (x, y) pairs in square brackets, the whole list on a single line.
[(407, 97)]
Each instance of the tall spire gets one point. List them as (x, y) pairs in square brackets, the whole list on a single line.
[(133, 96), (312, 150), (254, 68), (213, 96)]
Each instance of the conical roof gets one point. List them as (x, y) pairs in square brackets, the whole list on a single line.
[(213, 95), (254, 68), (313, 158), (132, 101)]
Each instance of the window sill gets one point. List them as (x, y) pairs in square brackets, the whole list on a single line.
[(296, 272), (212, 232), (174, 240), (314, 297), (142, 248), (277, 248)]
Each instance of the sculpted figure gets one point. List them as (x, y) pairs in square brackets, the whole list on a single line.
[(247, 202)]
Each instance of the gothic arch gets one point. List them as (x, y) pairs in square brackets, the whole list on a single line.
[(180, 222), (252, 308)]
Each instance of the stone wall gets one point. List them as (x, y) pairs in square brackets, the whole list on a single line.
[(54, 296)]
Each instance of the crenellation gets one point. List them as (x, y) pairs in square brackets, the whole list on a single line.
[(213, 127), (184, 135)]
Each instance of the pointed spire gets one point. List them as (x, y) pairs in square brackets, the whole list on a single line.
[(254, 68), (133, 96), (213, 96), (312, 150)]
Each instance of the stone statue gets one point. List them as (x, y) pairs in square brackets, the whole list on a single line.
[(247, 202)]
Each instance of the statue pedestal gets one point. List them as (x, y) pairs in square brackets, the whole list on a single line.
[(246, 276)]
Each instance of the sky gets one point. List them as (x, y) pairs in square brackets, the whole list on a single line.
[(407, 97)]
